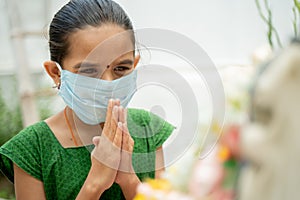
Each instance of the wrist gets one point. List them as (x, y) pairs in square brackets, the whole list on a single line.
[(129, 185), (129, 180), (95, 181), (92, 187)]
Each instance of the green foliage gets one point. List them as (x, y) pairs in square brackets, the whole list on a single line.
[(6, 194), (268, 19), (10, 121), (297, 5), (296, 12), (11, 118), (43, 107), (10, 125)]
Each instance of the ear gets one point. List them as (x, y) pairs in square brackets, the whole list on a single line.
[(136, 60), (53, 71)]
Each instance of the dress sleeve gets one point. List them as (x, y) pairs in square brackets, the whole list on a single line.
[(23, 150), (149, 130), (160, 128)]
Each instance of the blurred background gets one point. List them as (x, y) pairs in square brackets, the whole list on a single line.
[(232, 32)]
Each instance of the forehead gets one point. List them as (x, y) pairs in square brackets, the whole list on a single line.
[(102, 44)]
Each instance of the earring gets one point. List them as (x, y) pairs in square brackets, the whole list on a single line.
[(56, 86)]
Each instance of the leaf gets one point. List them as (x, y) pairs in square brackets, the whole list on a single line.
[(297, 4)]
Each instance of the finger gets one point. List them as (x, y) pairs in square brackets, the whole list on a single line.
[(125, 129), (115, 116), (130, 141), (107, 153), (121, 114), (130, 144), (117, 102), (124, 120), (125, 116), (118, 136), (109, 113), (113, 123), (127, 149), (96, 140), (125, 140)]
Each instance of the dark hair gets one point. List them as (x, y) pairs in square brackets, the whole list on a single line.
[(76, 15)]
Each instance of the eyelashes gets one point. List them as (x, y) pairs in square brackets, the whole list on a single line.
[(96, 72), (121, 68), (90, 72)]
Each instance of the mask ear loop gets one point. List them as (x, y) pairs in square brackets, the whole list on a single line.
[(58, 66), (57, 85)]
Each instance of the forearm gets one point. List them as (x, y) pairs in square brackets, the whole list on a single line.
[(92, 188), (129, 187)]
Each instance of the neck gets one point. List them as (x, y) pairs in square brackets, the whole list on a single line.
[(83, 133)]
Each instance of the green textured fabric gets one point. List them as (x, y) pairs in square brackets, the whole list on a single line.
[(63, 170)]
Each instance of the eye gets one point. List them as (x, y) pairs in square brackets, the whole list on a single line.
[(91, 72), (121, 70)]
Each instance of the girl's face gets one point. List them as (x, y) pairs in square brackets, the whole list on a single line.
[(104, 52)]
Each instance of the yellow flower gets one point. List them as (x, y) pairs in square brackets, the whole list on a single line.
[(140, 197), (224, 153), (159, 184), (216, 128), (236, 104)]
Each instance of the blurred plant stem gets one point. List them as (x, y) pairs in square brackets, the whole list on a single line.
[(268, 20), (297, 5), (296, 14)]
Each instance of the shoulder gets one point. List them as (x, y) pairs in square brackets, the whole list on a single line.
[(23, 150), (34, 129), (143, 117), (29, 134), (28, 140), (138, 116), (146, 126)]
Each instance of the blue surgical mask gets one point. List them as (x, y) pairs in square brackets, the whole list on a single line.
[(88, 97)]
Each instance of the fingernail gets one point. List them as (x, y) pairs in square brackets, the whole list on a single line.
[(120, 124), (115, 110), (115, 107)]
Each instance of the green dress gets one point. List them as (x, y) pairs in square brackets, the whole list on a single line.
[(64, 170)]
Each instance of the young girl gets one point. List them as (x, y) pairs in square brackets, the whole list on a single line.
[(52, 159)]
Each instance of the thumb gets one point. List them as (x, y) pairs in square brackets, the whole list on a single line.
[(96, 140)]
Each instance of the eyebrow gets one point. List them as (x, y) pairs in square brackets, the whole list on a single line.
[(125, 62), (85, 64), (88, 64)]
